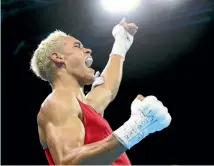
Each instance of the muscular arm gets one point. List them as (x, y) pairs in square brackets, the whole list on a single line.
[(112, 75), (65, 140), (103, 152)]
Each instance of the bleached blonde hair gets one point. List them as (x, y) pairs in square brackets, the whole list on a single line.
[(41, 62)]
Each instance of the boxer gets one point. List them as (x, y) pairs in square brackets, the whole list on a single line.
[(71, 127)]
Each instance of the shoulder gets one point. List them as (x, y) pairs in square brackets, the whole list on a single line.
[(57, 108)]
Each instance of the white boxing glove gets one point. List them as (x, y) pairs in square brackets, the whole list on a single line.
[(147, 116), (124, 36), (99, 80)]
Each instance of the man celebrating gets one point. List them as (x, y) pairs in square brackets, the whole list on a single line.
[(71, 128)]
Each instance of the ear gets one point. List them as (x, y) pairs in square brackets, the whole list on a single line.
[(57, 58)]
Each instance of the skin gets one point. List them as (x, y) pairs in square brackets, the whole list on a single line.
[(59, 120)]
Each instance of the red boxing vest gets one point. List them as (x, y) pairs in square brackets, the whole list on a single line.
[(96, 129)]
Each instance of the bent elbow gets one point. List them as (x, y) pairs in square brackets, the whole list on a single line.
[(72, 159)]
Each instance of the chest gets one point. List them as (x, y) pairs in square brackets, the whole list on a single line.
[(96, 127)]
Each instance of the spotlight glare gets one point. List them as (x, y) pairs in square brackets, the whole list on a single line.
[(120, 5)]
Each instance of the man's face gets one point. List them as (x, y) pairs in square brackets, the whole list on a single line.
[(75, 58)]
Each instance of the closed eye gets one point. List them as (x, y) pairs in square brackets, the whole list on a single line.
[(78, 44)]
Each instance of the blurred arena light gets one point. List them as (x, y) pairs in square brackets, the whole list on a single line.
[(118, 6)]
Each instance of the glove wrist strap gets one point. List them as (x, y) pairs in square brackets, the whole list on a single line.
[(132, 132)]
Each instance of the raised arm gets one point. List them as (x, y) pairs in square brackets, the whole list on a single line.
[(112, 74), (102, 95)]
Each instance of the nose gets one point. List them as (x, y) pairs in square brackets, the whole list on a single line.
[(87, 51)]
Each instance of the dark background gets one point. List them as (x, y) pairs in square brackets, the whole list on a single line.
[(171, 58)]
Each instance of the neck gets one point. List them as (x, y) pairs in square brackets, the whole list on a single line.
[(69, 84)]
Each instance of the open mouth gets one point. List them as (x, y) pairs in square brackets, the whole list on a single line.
[(89, 61)]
